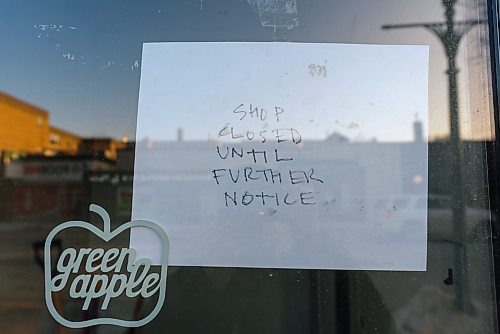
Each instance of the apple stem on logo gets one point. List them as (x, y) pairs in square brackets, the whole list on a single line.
[(104, 215)]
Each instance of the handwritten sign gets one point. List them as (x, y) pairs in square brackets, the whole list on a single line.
[(264, 157), (283, 155)]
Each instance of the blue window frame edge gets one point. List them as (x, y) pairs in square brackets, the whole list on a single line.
[(493, 152)]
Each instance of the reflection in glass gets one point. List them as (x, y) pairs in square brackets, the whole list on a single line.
[(68, 108)]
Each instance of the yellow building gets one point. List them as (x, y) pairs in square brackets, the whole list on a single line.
[(61, 141), (25, 129)]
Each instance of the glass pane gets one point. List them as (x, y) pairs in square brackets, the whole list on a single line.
[(68, 109)]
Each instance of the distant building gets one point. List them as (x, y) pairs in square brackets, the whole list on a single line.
[(25, 129), (418, 131), (101, 147), (45, 170), (337, 137), (180, 134), (61, 141)]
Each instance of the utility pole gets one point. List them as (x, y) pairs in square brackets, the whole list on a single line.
[(450, 34)]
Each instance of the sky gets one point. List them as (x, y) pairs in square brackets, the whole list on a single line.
[(81, 60), (206, 87)]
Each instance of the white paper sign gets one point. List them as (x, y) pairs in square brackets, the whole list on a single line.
[(284, 155)]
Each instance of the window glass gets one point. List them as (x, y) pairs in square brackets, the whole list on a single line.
[(69, 96)]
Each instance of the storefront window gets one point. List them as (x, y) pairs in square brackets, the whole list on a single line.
[(371, 210)]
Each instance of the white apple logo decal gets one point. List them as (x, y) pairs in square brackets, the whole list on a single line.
[(103, 272)]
